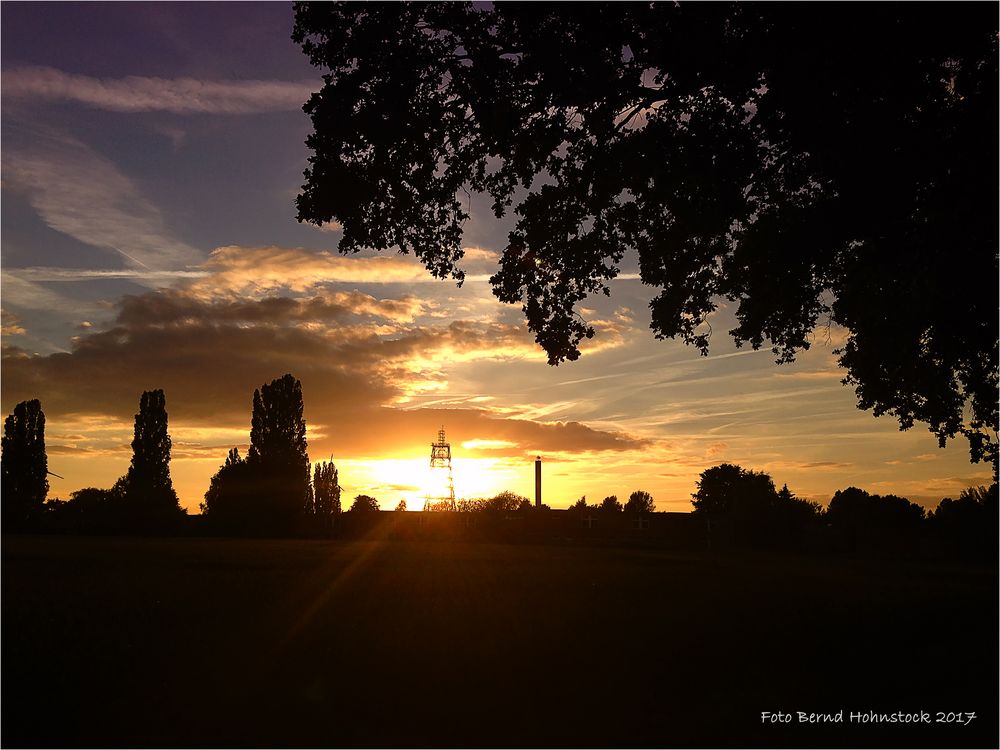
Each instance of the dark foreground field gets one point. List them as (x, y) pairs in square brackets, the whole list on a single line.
[(182, 642)]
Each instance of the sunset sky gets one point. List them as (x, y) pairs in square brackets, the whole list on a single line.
[(151, 157)]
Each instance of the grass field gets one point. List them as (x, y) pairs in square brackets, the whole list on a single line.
[(282, 643)]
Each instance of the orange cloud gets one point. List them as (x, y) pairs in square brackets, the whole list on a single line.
[(261, 270), (10, 324), (181, 307), (356, 356), (248, 316)]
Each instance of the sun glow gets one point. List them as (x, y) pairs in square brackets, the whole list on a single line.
[(412, 479)]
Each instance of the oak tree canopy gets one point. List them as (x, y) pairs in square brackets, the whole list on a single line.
[(808, 164)]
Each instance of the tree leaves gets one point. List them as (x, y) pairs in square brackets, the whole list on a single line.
[(808, 164)]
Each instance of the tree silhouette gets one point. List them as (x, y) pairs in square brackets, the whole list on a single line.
[(580, 505), (269, 491), (853, 508), (499, 504), (973, 507), (24, 465), (728, 489), (808, 165), (640, 502), (610, 504), (278, 457), (968, 525), (507, 502), (147, 488), (229, 492), (364, 504), (92, 510), (742, 506), (326, 489), (863, 522), (401, 506), (790, 514)]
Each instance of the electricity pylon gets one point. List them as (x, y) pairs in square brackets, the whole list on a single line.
[(441, 461)]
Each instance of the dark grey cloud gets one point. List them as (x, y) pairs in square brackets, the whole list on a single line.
[(358, 358)]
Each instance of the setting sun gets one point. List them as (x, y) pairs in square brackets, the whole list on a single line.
[(412, 479)]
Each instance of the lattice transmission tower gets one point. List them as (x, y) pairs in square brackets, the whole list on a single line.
[(440, 463)]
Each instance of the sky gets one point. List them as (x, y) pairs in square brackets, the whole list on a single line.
[(151, 156)]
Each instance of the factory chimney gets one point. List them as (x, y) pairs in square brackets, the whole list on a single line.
[(538, 482)]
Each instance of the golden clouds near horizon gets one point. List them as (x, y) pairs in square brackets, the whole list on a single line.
[(367, 360), (385, 360)]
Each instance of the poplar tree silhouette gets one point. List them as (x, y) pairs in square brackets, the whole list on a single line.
[(278, 457), (147, 488), (268, 492), (24, 465), (326, 489)]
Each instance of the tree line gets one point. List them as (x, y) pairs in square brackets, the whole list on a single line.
[(143, 500), (270, 492), (743, 509), (638, 502)]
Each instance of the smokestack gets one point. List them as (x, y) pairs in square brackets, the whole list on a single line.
[(538, 482)]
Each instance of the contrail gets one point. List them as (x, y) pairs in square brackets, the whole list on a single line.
[(134, 260)]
